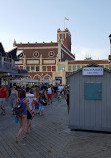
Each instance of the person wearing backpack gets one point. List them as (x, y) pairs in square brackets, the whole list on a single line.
[(42, 96), (22, 118)]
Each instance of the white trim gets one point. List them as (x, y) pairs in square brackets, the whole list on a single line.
[(59, 51), (32, 62), (48, 75), (67, 53), (30, 76), (37, 75), (66, 48)]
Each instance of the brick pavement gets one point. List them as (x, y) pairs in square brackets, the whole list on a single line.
[(51, 137)]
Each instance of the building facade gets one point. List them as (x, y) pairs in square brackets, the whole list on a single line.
[(41, 60), (51, 61), (8, 69)]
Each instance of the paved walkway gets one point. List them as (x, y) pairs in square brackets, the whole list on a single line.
[(51, 137)]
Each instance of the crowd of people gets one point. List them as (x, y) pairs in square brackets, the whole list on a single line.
[(27, 101)]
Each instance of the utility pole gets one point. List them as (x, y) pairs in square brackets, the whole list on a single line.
[(109, 57)]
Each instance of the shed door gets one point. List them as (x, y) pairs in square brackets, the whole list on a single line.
[(93, 91)]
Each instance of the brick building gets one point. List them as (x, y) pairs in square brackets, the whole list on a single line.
[(41, 60), (51, 61)]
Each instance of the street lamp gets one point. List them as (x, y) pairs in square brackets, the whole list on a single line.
[(109, 57), (110, 43)]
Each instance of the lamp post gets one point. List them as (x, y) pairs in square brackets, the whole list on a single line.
[(109, 58), (110, 43)]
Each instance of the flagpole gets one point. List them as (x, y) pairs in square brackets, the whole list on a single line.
[(64, 23)]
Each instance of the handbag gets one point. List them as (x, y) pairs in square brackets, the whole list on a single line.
[(18, 110), (43, 102), (16, 119)]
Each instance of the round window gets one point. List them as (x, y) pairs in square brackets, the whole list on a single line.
[(36, 54), (51, 53)]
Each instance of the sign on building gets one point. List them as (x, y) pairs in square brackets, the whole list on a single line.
[(92, 71)]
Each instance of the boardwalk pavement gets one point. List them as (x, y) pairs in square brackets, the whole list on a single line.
[(51, 137)]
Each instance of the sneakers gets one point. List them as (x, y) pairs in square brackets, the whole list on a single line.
[(3, 111)]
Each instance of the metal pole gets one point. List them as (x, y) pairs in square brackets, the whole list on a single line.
[(110, 46), (110, 56), (64, 23)]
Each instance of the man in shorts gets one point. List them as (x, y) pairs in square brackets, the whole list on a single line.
[(3, 97)]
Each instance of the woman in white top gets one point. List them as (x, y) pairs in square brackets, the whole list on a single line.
[(49, 94)]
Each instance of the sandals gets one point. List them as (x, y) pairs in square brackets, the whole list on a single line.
[(16, 140)]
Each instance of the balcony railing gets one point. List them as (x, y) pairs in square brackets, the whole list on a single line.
[(7, 67)]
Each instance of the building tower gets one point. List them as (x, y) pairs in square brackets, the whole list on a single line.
[(64, 37)]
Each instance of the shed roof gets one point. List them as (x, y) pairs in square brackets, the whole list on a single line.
[(89, 65)]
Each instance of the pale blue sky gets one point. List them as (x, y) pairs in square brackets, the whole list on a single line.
[(38, 21)]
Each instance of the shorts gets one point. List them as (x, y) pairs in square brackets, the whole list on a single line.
[(36, 105), (41, 108), (2, 102), (29, 116), (49, 96)]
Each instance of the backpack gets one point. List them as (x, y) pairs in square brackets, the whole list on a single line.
[(18, 109), (42, 99)]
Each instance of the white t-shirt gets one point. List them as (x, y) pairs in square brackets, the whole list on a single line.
[(30, 100), (60, 88), (49, 91)]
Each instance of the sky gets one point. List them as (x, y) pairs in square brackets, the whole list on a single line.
[(38, 20)]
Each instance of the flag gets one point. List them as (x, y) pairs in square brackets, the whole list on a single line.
[(66, 19)]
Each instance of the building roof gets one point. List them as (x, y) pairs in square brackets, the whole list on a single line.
[(9, 49), (13, 52), (2, 49), (37, 44), (88, 61)]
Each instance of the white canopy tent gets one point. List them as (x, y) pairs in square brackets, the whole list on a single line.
[(30, 81), (15, 81), (33, 81)]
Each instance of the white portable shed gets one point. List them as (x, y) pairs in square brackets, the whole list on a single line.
[(90, 98)]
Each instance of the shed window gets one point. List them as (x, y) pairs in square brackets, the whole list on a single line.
[(93, 91)]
